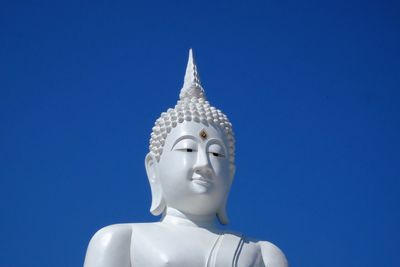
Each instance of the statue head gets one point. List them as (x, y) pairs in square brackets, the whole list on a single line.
[(190, 165)]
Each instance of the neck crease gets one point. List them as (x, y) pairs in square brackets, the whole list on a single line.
[(176, 217)]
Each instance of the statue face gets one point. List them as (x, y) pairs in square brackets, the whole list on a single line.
[(193, 170)]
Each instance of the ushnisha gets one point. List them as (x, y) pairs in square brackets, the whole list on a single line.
[(190, 168)]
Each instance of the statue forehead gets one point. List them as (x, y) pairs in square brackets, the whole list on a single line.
[(197, 130)]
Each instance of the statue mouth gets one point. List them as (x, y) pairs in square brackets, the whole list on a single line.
[(201, 180)]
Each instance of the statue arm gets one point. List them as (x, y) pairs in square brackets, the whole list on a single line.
[(110, 247), (272, 255)]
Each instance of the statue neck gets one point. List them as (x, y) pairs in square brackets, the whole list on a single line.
[(175, 217)]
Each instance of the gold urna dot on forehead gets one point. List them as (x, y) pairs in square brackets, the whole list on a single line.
[(203, 134)]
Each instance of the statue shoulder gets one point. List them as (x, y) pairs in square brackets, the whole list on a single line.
[(272, 255), (110, 246)]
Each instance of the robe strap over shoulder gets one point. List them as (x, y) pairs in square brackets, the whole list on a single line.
[(226, 246)]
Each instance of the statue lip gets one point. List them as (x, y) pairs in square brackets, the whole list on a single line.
[(201, 179)]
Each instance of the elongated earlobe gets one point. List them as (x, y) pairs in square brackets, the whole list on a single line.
[(222, 215), (157, 202)]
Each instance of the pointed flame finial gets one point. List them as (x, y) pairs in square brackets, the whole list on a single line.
[(192, 85)]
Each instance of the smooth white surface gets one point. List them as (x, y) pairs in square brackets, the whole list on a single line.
[(190, 182)]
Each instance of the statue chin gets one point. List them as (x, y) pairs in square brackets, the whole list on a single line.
[(190, 168)]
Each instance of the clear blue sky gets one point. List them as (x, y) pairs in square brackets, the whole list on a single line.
[(311, 87)]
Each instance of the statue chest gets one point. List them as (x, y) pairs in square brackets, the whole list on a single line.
[(183, 247)]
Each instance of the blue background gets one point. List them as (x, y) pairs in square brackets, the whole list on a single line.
[(312, 90)]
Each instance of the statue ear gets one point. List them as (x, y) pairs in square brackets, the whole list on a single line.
[(157, 202), (222, 215), (232, 171)]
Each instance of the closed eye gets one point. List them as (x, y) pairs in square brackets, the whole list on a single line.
[(186, 149), (215, 154), (185, 145)]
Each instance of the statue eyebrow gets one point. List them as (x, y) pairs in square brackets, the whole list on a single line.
[(187, 136)]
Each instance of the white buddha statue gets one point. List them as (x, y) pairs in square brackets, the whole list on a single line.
[(190, 168)]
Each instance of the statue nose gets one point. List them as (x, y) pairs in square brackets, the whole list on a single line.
[(203, 171), (202, 166)]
